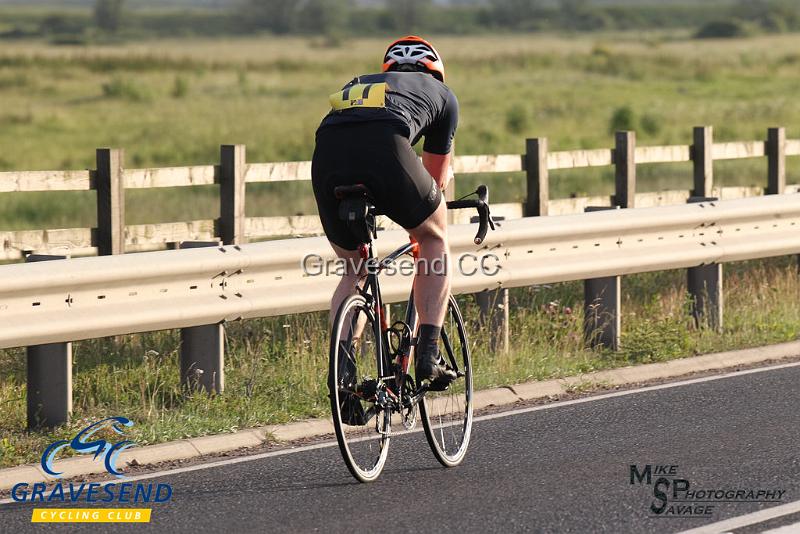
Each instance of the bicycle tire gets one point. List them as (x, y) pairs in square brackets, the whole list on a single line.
[(364, 448), (447, 415)]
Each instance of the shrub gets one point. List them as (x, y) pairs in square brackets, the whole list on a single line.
[(516, 119), (126, 89), (108, 15), (774, 23), (589, 20), (69, 40), (17, 118), (724, 29), (61, 25), (14, 80), (653, 340), (650, 124), (180, 88), (623, 118)]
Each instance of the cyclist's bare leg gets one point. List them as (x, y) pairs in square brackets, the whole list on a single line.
[(347, 285), (432, 281)]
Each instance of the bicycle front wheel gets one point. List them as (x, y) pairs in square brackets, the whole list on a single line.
[(362, 426), (447, 415)]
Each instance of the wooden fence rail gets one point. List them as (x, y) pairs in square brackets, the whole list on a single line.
[(110, 179)]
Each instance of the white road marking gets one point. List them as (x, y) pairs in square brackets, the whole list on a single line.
[(668, 385), (499, 415), (750, 519), (788, 529)]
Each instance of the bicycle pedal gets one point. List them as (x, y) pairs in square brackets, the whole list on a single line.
[(440, 384)]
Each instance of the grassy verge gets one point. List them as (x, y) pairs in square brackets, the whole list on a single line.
[(276, 367)]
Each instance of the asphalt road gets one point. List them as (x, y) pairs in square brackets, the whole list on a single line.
[(565, 468)]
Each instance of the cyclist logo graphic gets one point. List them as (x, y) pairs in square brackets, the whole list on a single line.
[(82, 444)]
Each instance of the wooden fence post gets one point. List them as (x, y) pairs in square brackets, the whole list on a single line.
[(776, 165), (450, 194), (625, 169), (110, 188), (538, 193), (493, 304), (776, 161), (537, 197), (231, 228), (49, 375), (703, 161)]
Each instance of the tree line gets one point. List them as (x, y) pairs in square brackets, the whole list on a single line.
[(341, 18)]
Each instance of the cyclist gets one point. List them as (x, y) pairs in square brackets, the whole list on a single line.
[(367, 138)]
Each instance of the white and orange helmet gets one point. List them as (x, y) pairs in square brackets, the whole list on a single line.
[(413, 50)]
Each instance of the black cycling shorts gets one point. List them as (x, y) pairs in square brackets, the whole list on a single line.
[(377, 155)]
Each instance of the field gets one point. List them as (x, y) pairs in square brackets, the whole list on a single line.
[(174, 102)]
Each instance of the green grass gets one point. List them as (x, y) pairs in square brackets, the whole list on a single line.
[(276, 367), (174, 102)]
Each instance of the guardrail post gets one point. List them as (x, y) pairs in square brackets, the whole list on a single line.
[(110, 238), (203, 348), (537, 177), (703, 161), (601, 306), (231, 194), (49, 378), (601, 312), (776, 161), (705, 288), (625, 169), (493, 315)]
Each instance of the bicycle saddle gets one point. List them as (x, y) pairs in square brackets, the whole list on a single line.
[(352, 191), (356, 209)]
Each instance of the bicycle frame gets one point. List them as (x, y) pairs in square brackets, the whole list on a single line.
[(370, 290), (372, 294)]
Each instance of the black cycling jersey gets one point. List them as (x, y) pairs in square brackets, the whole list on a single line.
[(418, 104)]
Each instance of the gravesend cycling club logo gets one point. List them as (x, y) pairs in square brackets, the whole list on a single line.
[(676, 496), (82, 444), (106, 450)]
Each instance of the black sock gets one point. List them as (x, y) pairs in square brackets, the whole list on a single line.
[(428, 338)]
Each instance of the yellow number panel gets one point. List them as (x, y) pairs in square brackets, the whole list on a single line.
[(369, 95)]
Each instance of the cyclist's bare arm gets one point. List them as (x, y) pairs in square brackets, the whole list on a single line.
[(438, 165)]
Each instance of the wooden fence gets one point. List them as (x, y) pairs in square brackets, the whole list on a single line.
[(110, 180)]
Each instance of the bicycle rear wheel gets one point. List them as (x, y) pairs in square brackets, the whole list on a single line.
[(362, 426), (447, 415)]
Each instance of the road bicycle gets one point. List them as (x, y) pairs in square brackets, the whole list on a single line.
[(369, 380)]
